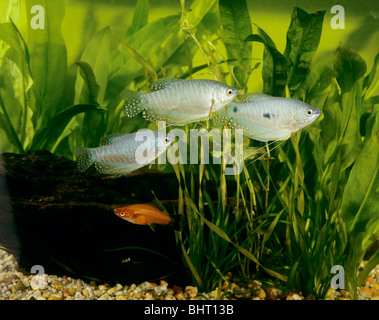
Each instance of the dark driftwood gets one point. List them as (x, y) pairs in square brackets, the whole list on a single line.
[(52, 216)]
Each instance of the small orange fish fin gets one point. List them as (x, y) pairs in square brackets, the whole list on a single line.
[(152, 227)]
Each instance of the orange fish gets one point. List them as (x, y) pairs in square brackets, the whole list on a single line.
[(146, 214)]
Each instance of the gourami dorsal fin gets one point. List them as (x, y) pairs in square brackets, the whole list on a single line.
[(163, 83), (111, 138), (251, 97)]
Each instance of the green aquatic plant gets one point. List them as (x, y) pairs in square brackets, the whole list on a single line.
[(308, 204)]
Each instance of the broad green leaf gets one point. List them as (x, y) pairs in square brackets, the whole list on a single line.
[(10, 38), (198, 11), (350, 138), (335, 174), (140, 17), (316, 85), (9, 35), (90, 91), (47, 136), (368, 104), (141, 60), (48, 57), (12, 11), (236, 24), (360, 201), (123, 68), (372, 123), (340, 126), (371, 234), (208, 26), (20, 55), (303, 37), (88, 120), (348, 67), (15, 81), (369, 79), (274, 71), (90, 87), (96, 55), (7, 126), (69, 129)]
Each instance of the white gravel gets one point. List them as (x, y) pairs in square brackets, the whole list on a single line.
[(15, 285)]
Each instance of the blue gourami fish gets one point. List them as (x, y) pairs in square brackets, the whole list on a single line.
[(123, 153), (179, 102), (265, 118)]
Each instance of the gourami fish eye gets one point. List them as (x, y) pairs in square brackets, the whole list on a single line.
[(229, 92), (166, 140), (308, 112), (122, 213)]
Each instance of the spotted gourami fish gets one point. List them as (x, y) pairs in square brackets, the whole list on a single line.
[(146, 214), (179, 102), (265, 118), (123, 153)]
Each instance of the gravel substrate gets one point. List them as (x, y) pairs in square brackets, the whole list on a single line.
[(15, 285)]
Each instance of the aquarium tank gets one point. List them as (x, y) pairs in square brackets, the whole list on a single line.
[(298, 211)]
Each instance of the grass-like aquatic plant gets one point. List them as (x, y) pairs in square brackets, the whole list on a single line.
[(307, 205)]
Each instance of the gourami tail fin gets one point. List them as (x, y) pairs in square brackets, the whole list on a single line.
[(85, 158), (134, 103)]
